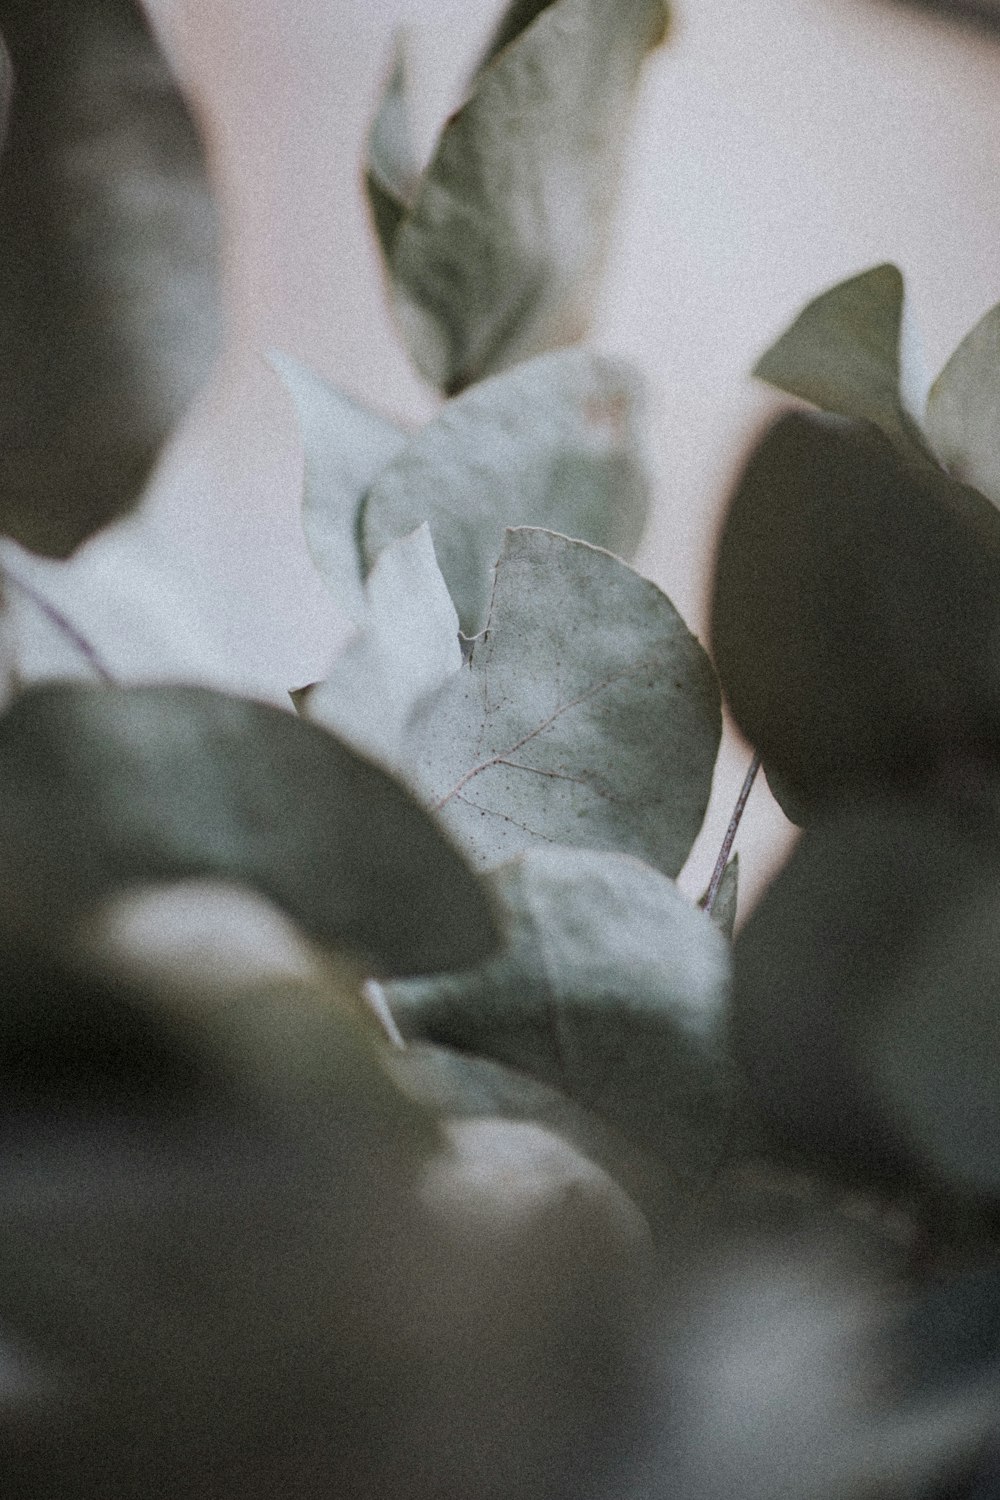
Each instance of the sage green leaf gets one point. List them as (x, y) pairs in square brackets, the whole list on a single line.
[(392, 171), (850, 985), (848, 352), (407, 648), (108, 300), (501, 254), (555, 443), (963, 409), (518, 15), (345, 448), (613, 989), (107, 788), (856, 612), (586, 714), (723, 912)]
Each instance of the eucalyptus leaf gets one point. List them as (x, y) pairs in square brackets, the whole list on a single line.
[(856, 612), (501, 253), (849, 351), (586, 714), (392, 171), (345, 448), (108, 301), (407, 648), (555, 443), (613, 989), (864, 993), (107, 788), (963, 409)]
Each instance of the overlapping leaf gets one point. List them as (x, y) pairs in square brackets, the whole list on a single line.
[(586, 714), (856, 613), (406, 649), (107, 788), (392, 171), (499, 254), (613, 988), (346, 447), (850, 351), (107, 253), (551, 443), (963, 409)]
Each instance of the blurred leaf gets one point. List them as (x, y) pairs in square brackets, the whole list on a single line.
[(856, 610), (553, 443), (587, 714), (613, 989), (723, 913), (500, 256), (846, 352), (107, 788), (108, 305), (518, 15), (963, 409), (345, 447), (392, 171), (408, 647), (850, 988)]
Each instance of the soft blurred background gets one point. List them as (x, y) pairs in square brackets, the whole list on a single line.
[(779, 145)]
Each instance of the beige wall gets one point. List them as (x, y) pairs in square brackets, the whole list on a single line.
[(779, 145)]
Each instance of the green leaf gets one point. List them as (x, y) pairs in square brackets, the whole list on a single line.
[(586, 714), (848, 352), (855, 612), (867, 970), (613, 989), (108, 788), (108, 301), (963, 409), (392, 171), (515, 19), (346, 448), (407, 648), (723, 912), (555, 443), (501, 254)]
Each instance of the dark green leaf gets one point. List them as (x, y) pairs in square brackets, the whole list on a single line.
[(856, 610), (847, 352), (587, 714), (554, 442), (108, 309), (613, 989), (500, 256), (107, 788), (345, 447)]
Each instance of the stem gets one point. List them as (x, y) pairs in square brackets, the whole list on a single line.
[(61, 622), (727, 843)]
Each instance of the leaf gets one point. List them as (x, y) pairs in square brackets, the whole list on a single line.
[(392, 171), (346, 447), (848, 351), (108, 788), (108, 302), (500, 256), (613, 989), (518, 15), (407, 648), (587, 714), (963, 409), (852, 987), (554, 442), (855, 610), (723, 912)]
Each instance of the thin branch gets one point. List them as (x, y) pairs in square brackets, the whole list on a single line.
[(61, 622), (727, 843)]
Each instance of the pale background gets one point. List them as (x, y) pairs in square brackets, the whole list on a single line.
[(779, 145)]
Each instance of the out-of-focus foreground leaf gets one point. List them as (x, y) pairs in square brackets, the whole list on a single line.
[(498, 255), (848, 352), (552, 443), (107, 254), (105, 788), (587, 714), (856, 613), (614, 989)]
